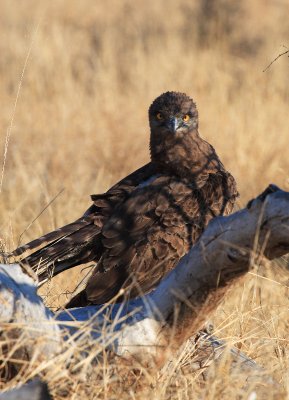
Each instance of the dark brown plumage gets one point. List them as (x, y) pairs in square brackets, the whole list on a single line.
[(138, 230)]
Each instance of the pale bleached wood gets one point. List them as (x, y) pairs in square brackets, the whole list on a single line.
[(187, 297), (23, 314)]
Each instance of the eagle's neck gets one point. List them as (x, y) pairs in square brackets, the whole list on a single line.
[(188, 156)]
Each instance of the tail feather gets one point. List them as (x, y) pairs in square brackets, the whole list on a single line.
[(74, 244), (53, 236)]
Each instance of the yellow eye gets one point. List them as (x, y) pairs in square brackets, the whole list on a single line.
[(186, 118), (159, 116)]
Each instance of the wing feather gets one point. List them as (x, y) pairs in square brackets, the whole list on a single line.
[(153, 228)]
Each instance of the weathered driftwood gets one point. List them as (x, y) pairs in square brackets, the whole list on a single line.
[(186, 298), (181, 304), (23, 313)]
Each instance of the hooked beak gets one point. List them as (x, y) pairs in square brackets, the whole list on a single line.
[(173, 124)]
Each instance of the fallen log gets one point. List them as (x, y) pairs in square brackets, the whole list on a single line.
[(187, 297), (153, 326), (27, 327)]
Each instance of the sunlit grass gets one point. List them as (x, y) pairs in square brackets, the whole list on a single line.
[(81, 124)]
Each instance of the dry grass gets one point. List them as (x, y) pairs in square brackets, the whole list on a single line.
[(81, 124)]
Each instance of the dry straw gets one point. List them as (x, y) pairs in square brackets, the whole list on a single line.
[(81, 123)]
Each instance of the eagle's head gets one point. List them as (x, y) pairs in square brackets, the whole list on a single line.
[(173, 113), (173, 118)]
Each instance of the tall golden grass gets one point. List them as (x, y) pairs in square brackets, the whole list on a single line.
[(86, 73)]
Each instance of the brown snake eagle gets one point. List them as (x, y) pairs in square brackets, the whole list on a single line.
[(138, 230)]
